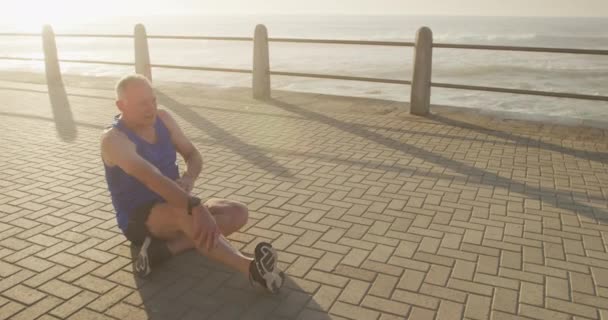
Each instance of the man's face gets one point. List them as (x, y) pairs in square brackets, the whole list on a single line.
[(138, 104)]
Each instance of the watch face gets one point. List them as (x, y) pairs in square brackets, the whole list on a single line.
[(194, 201)]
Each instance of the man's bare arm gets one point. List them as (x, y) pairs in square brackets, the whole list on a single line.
[(118, 150), (193, 158)]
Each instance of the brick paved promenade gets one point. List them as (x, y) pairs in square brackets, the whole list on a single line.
[(376, 214)]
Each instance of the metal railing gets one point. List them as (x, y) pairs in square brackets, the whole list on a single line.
[(421, 79)]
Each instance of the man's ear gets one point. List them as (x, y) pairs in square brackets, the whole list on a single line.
[(120, 104)]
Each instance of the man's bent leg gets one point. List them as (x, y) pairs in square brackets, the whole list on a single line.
[(178, 244), (164, 220), (229, 215), (176, 228)]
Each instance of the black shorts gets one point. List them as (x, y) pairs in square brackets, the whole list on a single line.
[(137, 231)]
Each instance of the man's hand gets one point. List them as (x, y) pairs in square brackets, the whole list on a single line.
[(206, 231), (186, 183)]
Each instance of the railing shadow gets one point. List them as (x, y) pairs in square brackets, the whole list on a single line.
[(67, 94), (404, 171), (247, 151), (60, 106), (371, 127), (34, 117), (62, 113), (559, 199), (600, 157), (190, 287), (280, 116)]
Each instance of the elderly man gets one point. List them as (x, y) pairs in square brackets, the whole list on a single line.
[(154, 208)]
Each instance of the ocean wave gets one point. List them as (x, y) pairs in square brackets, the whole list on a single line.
[(561, 40), (446, 37)]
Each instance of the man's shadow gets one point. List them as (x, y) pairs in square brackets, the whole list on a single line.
[(190, 286)]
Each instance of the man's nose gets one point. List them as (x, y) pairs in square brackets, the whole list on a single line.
[(149, 106)]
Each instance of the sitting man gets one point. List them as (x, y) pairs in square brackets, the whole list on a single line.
[(153, 206)]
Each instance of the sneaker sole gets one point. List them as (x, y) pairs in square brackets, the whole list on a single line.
[(274, 280), (142, 264)]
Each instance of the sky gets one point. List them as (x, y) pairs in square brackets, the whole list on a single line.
[(49, 11)]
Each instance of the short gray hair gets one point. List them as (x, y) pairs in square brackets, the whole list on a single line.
[(125, 81)]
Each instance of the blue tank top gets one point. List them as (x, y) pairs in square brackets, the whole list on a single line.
[(126, 191)]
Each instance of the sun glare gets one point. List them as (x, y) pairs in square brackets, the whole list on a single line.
[(31, 15)]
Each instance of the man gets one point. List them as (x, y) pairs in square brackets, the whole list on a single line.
[(153, 207)]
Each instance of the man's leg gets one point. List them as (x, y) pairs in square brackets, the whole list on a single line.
[(229, 215), (176, 228)]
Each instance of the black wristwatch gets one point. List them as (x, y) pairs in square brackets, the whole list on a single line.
[(193, 202)]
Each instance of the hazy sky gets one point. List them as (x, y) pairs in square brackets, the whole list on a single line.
[(443, 7), (53, 10)]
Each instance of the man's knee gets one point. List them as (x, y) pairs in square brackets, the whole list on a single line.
[(241, 214), (237, 211)]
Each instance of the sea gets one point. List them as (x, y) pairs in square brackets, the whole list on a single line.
[(571, 73)]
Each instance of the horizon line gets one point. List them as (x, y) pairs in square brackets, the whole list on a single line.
[(355, 14)]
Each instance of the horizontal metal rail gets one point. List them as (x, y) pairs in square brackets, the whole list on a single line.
[(329, 41), (524, 49), (24, 34), (168, 37), (355, 42), (338, 77), (291, 40), (116, 63), (169, 66), (68, 35), (120, 63), (22, 58), (278, 73), (79, 35), (201, 38), (521, 91)]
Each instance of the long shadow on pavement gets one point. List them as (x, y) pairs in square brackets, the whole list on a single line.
[(553, 197), (601, 157), (247, 151), (62, 113), (190, 287)]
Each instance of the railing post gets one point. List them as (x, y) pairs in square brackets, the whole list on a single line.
[(420, 99), (51, 61), (261, 64), (142, 55)]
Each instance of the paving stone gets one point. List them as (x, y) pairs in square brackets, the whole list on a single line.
[(450, 310), (478, 307), (60, 289), (354, 292), (353, 312), (74, 304), (324, 298), (23, 294)]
